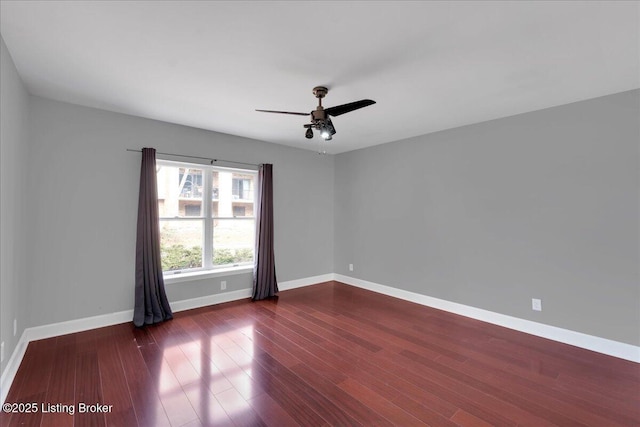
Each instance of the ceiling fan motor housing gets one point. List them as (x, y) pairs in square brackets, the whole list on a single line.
[(318, 115)]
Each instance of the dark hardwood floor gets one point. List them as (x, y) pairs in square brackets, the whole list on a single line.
[(328, 354)]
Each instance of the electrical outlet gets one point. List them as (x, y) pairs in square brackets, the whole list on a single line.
[(350, 267), (2, 352), (536, 304), (15, 327), (223, 285)]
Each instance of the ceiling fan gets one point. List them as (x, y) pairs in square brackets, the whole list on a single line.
[(321, 118)]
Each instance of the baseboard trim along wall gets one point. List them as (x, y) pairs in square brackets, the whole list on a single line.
[(12, 367), (307, 281), (578, 339)]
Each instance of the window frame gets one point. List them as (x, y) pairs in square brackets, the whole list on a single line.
[(208, 268)]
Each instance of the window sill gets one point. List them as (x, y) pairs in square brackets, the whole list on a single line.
[(170, 279)]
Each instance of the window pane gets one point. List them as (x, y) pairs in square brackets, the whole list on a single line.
[(233, 241), (242, 186), (181, 244), (232, 194), (179, 191)]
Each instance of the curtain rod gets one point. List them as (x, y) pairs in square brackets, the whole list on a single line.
[(198, 157)]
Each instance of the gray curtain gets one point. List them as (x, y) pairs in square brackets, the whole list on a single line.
[(265, 284), (151, 304)]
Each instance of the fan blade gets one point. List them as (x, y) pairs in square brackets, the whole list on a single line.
[(284, 112), (345, 108)]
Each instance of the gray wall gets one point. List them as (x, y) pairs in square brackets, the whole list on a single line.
[(13, 199), (83, 201), (539, 205)]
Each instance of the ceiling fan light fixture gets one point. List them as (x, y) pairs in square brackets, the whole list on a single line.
[(320, 116), (327, 130)]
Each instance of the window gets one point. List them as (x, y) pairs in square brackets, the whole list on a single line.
[(242, 188), (206, 216)]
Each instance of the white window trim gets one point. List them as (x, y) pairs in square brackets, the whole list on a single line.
[(209, 270), (190, 276)]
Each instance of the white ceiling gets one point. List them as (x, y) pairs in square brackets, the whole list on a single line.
[(429, 65)]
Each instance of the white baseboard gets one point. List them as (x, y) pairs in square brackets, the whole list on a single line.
[(77, 325), (189, 304), (578, 339), (307, 281), (11, 369)]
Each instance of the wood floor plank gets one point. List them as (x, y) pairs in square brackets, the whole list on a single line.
[(508, 404), (367, 345), (585, 386), (62, 391), (314, 398), (238, 409), (601, 405), (285, 339), (88, 393), (465, 419), (329, 355), (115, 391), (206, 406), (271, 412), (143, 388), (395, 340), (255, 341), (458, 394), (419, 402), (517, 407), (175, 402), (366, 416), (294, 401), (323, 355), (184, 371), (208, 372), (377, 403)]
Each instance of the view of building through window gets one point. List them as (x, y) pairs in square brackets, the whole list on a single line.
[(200, 232)]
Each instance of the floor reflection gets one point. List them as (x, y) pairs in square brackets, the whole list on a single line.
[(212, 373)]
